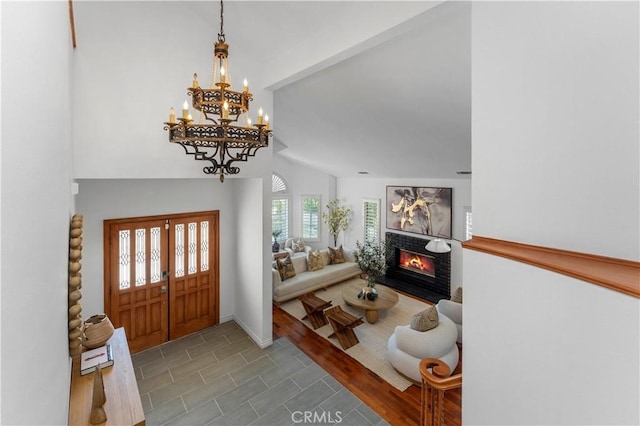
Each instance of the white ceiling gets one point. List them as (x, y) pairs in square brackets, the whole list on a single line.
[(383, 87)]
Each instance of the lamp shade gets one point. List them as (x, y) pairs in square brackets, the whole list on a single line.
[(437, 246)]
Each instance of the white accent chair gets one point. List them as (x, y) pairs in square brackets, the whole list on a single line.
[(452, 310), (288, 247), (407, 347)]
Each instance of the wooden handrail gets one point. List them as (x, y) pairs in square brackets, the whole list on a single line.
[(435, 382), (439, 376), (618, 275), (72, 21)]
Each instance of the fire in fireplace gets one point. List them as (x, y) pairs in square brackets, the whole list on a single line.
[(416, 262), (428, 276)]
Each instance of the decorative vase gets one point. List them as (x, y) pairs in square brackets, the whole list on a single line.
[(369, 293), (372, 294), (275, 247)]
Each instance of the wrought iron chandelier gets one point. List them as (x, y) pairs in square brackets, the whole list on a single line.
[(229, 136)]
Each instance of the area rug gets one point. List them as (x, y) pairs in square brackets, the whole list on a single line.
[(371, 352)]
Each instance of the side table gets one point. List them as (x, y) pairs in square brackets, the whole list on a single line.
[(387, 298)]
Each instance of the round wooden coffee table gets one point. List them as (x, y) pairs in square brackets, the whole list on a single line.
[(387, 298)]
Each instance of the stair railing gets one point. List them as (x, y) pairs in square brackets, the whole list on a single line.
[(436, 380)]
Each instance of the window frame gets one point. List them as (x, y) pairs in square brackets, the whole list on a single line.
[(376, 231), (467, 222), (317, 197), (280, 192), (285, 234)]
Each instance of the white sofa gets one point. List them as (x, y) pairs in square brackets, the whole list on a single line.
[(306, 281), (407, 347), (452, 310)]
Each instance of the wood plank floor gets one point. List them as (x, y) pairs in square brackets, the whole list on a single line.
[(396, 407)]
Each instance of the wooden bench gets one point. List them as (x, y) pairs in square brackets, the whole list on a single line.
[(343, 324), (314, 307)]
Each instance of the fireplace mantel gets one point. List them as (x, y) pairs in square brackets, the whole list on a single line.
[(431, 288)]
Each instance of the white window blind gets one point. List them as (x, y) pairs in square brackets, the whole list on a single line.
[(279, 207), (311, 217), (468, 221), (280, 217), (371, 219), (277, 185)]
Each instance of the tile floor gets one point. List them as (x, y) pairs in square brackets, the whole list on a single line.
[(219, 376)]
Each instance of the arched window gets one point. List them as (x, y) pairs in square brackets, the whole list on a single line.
[(279, 207)]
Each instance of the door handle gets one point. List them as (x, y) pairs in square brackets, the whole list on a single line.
[(163, 289)]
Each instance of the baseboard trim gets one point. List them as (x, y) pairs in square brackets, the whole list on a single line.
[(618, 275), (261, 343)]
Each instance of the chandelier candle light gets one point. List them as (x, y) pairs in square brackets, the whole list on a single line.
[(229, 136)]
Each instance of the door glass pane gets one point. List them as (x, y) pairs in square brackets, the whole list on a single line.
[(193, 252), (141, 254), (124, 260), (155, 255), (179, 250), (204, 246)]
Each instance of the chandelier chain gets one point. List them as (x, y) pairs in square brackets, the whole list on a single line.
[(221, 33)]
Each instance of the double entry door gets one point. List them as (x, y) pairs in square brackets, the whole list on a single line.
[(161, 276)]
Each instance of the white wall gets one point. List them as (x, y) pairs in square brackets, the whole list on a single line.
[(556, 164), (355, 189), (36, 210), (542, 348), (351, 191), (304, 180), (555, 125), (134, 61), (252, 309)]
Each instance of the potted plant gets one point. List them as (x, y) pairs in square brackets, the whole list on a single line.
[(336, 218), (275, 247), (371, 258)]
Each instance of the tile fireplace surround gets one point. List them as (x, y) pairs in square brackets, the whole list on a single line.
[(416, 284)]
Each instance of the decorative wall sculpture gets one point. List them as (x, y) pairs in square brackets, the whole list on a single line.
[(421, 210), (75, 285)]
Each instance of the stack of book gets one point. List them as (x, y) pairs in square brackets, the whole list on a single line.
[(102, 356)]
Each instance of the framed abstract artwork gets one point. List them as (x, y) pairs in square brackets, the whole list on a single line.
[(421, 210)]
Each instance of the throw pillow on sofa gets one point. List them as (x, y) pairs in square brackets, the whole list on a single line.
[(457, 295), (314, 261), (298, 245), (285, 268), (282, 255), (425, 320), (336, 255)]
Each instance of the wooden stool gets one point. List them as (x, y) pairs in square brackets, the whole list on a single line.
[(314, 307), (343, 324)]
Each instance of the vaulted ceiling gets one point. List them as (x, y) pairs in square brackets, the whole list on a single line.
[(382, 87)]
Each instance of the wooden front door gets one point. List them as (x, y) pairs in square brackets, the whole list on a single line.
[(193, 292), (161, 276)]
